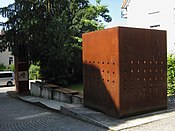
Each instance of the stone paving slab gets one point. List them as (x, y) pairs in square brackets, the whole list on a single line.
[(48, 103), (106, 121), (100, 119)]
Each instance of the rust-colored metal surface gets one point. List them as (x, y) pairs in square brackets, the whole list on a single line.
[(21, 71), (124, 70)]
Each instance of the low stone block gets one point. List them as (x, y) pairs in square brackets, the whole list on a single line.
[(77, 99), (35, 89), (46, 92), (62, 97)]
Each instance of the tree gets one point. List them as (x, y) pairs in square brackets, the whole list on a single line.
[(171, 74), (52, 29)]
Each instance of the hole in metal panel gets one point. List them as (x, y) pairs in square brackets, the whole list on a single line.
[(144, 62), (108, 72), (132, 62), (132, 71), (103, 63)]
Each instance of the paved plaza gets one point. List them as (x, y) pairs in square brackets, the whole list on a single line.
[(16, 115)]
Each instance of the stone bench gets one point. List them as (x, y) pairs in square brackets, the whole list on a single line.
[(63, 94), (55, 92), (77, 99), (35, 88)]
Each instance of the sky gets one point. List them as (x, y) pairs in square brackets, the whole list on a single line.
[(114, 7)]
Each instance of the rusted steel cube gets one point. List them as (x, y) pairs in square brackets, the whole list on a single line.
[(124, 71)]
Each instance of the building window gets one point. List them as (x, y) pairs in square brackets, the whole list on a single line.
[(154, 26), (10, 60), (155, 12)]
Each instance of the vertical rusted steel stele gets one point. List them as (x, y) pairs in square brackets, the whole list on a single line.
[(124, 71), (21, 71)]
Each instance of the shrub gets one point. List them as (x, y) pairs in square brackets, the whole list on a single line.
[(7, 68), (34, 72), (11, 67), (171, 74), (2, 67)]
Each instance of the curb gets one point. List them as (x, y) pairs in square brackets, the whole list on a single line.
[(73, 114)]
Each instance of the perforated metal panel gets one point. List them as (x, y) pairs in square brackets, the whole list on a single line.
[(125, 70)]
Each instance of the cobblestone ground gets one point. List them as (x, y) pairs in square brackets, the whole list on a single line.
[(16, 115)]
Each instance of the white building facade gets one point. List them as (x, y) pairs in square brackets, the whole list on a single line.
[(156, 14), (6, 58)]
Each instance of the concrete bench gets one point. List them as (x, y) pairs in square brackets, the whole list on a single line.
[(63, 95), (55, 92), (52, 86), (36, 88), (77, 99)]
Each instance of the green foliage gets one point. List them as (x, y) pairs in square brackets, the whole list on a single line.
[(52, 31), (34, 72), (2, 67), (6, 68), (171, 74), (78, 87), (12, 67)]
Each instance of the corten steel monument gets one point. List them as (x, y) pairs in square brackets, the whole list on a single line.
[(124, 71), (21, 70)]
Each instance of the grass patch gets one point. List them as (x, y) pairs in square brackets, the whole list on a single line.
[(78, 87)]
